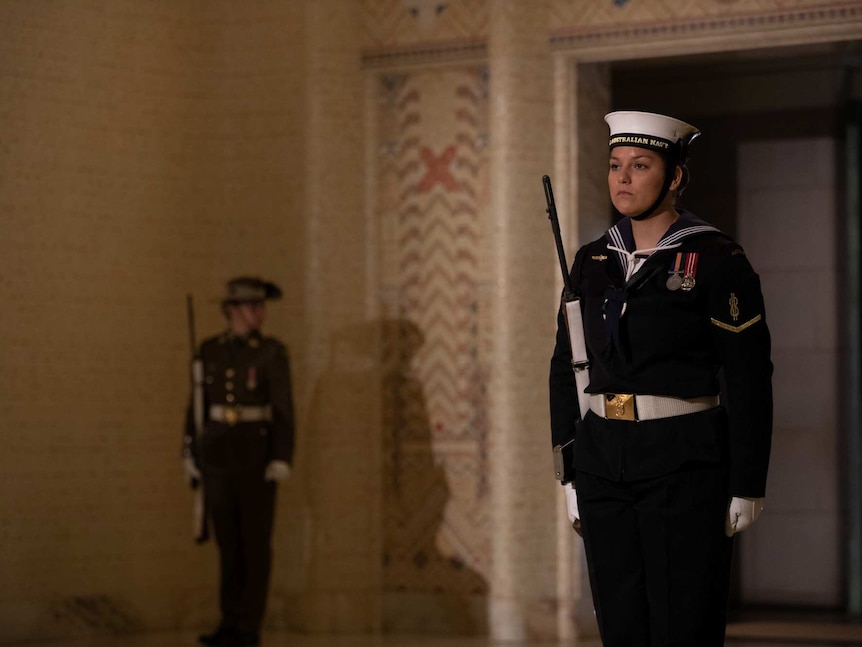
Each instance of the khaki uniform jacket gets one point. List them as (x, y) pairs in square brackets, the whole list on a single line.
[(248, 371)]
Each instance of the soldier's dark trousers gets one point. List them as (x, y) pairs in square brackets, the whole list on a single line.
[(241, 508), (658, 558)]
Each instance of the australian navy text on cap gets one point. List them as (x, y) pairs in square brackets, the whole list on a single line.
[(647, 130)]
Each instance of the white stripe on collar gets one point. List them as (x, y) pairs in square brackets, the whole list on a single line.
[(670, 241)]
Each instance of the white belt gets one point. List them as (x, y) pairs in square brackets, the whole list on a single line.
[(232, 414), (626, 406)]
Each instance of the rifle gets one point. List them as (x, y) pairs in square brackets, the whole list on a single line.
[(201, 527), (563, 453)]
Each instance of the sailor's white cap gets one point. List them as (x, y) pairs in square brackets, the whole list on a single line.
[(648, 130)]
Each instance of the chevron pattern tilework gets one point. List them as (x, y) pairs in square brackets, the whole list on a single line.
[(432, 188)]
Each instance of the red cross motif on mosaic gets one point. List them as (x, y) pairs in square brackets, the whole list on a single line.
[(438, 170)]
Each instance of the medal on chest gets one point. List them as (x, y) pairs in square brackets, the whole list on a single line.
[(682, 273), (688, 281), (251, 380), (674, 280)]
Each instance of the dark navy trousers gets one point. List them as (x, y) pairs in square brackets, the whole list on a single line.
[(658, 558)]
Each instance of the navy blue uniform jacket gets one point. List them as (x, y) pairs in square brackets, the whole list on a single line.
[(673, 343)]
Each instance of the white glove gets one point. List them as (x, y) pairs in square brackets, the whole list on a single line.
[(191, 470), (741, 513), (572, 502), (572, 508), (276, 471)]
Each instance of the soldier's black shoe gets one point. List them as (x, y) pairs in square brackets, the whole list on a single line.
[(215, 638), (239, 638)]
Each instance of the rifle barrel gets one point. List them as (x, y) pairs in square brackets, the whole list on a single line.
[(558, 237)]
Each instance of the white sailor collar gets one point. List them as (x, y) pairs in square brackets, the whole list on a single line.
[(620, 236)]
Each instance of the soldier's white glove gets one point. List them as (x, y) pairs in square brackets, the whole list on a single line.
[(572, 502), (572, 506), (741, 513), (276, 471), (191, 470)]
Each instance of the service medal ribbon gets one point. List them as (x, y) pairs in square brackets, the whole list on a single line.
[(251, 382), (688, 281), (674, 281)]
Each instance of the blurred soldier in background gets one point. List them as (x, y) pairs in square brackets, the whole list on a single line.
[(239, 447)]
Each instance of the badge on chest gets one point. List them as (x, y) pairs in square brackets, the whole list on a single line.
[(681, 275)]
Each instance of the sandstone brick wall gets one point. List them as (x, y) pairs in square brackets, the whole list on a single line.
[(150, 149)]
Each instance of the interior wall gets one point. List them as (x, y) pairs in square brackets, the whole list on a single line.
[(341, 460), (523, 579), (789, 214), (141, 162)]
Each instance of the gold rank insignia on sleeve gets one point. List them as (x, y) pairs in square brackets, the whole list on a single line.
[(733, 302), (600, 257)]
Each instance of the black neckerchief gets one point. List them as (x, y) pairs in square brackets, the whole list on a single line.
[(622, 237)]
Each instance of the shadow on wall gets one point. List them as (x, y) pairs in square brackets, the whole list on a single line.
[(424, 588), (377, 484)]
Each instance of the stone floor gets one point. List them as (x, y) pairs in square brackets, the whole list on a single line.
[(749, 634)]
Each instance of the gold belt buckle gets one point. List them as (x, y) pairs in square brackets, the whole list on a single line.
[(231, 416), (620, 406)]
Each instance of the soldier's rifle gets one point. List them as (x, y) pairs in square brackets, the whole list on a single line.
[(563, 452), (201, 527)]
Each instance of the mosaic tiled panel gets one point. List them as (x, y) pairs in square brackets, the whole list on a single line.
[(432, 194), (411, 22), (392, 22)]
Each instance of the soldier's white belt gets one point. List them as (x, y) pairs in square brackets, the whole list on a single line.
[(627, 406), (234, 414)]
